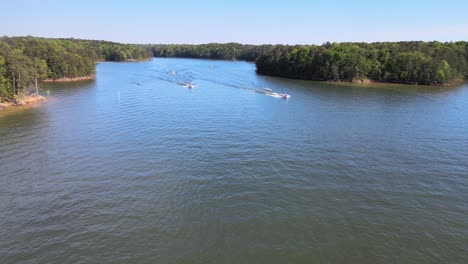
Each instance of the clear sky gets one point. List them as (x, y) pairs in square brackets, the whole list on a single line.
[(244, 21)]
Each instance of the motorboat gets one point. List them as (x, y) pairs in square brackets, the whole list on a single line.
[(278, 95), (189, 85)]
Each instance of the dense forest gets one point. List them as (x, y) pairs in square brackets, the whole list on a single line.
[(227, 51), (24, 61), (400, 62)]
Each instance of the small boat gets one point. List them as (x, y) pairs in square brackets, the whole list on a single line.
[(278, 95), (138, 83), (189, 85)]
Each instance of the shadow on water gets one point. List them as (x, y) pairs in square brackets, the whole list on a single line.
[(67, 87)]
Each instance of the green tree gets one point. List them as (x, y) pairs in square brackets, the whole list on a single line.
[(40, 72)]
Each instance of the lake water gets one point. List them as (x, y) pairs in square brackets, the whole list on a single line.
[(136, 168)]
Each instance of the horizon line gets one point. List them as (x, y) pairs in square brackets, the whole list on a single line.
[(231, 42)]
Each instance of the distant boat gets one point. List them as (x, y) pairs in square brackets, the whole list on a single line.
[(189, 85), (269, 92), (278, 95), (138, 83)]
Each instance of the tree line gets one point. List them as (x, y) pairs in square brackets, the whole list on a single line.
[(413, 62), (25, 61), (217, 51)]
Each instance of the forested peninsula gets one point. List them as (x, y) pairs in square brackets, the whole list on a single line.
[(414, 62), (25, 61)]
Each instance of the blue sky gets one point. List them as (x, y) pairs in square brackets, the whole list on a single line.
[(245, 21)]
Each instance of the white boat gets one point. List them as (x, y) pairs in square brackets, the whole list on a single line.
[(269, 92), (278, 95), (189, 85)]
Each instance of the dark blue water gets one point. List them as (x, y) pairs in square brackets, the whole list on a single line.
[(136, 168)]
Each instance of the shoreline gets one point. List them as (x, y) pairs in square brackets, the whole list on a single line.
[(26, 100), (365, 82), (71, 79), (412, 84), (135, 60), (124, 61)]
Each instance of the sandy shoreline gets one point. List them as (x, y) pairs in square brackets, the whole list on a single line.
[(368, 82), (24, 101), (75, 79), (135, 60)]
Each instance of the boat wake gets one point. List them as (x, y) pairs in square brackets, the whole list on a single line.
[(265, 91), (269, 92), (189, 85), (181, 80)]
